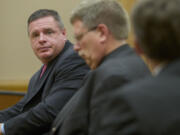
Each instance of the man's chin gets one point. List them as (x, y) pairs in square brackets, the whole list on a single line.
[(93, 66), (90, 64), (88, 61), (46, 58), (45, 55)]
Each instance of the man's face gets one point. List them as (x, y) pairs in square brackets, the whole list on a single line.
[(47, 40), (88, 44)]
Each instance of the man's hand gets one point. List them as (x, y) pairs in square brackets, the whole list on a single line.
[(0, 129)]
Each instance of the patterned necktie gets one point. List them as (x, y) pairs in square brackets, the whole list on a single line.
[(43, 70)]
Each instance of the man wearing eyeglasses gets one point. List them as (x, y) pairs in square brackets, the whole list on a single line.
[(101, 30)]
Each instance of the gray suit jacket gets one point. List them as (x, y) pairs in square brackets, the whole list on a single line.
[(46, 95), (147, 107), (117, 69)]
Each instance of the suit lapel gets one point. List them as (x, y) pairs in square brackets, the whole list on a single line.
[(39, 82)]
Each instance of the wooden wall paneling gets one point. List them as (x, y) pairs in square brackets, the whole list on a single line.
[(14, 85), (11, 91), (128, 4), (9, 98)]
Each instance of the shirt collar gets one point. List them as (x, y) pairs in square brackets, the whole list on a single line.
[(158, 69)]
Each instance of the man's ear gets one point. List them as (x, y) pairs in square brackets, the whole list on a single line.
[(103, 32), (64, 34), (137, 48)]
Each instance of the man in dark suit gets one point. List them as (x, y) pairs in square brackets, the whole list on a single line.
[(50, 87), (101, 29), (149, 106)]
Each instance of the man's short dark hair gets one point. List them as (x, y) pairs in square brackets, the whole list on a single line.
[(45, 13)]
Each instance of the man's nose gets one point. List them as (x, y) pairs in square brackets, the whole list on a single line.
[(42, 38)]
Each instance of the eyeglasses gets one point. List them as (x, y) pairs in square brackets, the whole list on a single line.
[(80, 36)]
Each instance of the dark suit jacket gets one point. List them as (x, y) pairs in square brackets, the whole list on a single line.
[(147, 107), (118, 68), (46, 95)]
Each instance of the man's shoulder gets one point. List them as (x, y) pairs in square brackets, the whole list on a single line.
[(129, 66), (67, 50), (147, 100), (147, 88), (69, 55), (124, 56), (70, 61)]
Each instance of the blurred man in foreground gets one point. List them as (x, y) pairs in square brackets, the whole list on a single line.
[(149, 106)]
